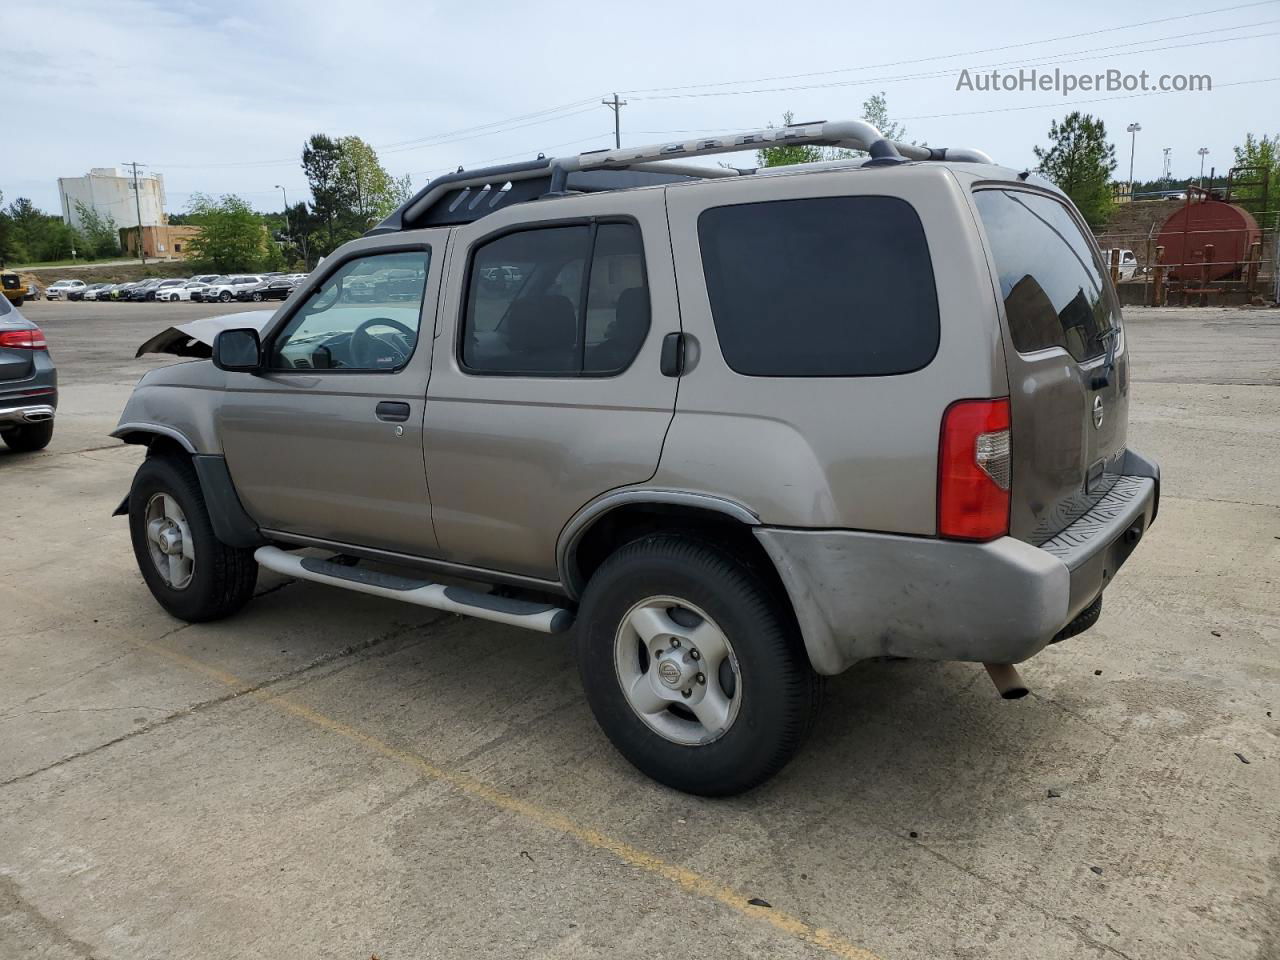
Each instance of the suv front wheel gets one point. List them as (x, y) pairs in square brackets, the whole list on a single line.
[(693, 667), (190, 572)]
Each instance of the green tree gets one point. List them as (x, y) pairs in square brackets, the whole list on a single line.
[(332, 194), (372, 188), (100, 237), (28, 227), (875, 110), (787, 154), (1262, 152), (1080, 161), (7, 251), (58, 241), (231, 235)]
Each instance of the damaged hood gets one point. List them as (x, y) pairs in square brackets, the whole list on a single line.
[(195, 339)]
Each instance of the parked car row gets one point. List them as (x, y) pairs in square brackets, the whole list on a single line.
[(207, 288)]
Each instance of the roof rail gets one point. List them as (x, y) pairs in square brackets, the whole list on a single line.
[(468, 195)]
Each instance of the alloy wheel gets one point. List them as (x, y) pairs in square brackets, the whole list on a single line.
[(677, 670), (169, 541)]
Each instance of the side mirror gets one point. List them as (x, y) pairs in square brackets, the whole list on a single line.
[(238, 351)]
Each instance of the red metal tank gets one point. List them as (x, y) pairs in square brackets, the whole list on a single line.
[(1199, 222)]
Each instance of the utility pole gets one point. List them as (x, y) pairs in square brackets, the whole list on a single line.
[(1132, 129), (137, 203), (616, 106)]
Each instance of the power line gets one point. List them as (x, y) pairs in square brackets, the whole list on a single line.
[(952, 56), (480, 130), (1049, 59), (512, 156)]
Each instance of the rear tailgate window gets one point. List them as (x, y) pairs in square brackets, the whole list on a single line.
[(1052, 287), (824, 287)]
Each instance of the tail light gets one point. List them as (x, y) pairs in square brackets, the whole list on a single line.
[(23, 339), (974, 470)]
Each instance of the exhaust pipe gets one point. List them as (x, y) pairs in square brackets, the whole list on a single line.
[(1007, 680)]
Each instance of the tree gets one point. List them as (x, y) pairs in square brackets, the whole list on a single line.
[(28, 226), (1080, 161), (231, 235), (787, 154), (875, 110), (1263, 152), (100, 237), (7, 252), (332, 194), (375, 191)]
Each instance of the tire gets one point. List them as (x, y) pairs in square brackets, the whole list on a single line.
[(30, 437), (775, 689), (225, 296), (257, 298), (221, 578), (19, 302)]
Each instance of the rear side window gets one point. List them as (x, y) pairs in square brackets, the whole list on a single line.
[(1052, 285), (828, 287), (557, 301)]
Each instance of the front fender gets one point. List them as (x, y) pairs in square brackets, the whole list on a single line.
[(178, 402)]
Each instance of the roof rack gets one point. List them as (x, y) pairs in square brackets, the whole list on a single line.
[(468, 195)]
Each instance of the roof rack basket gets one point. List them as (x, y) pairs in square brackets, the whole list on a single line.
[(468, 195)]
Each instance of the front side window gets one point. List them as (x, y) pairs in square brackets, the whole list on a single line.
[(365, 316), (825, 287), (557, 301), (1052, 285)]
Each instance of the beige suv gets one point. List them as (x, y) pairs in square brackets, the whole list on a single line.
[(737, 429)]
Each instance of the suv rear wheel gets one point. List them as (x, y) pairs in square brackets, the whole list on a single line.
[(692, 667), (190, 572)]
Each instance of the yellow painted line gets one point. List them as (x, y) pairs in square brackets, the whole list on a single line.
[(685, 879)]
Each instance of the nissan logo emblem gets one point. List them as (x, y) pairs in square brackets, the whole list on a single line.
[(669, 673), (1097, 413)]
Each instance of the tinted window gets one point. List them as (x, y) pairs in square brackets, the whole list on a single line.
[(1053, 287), (529, 310), (360, 318), (830, 287)]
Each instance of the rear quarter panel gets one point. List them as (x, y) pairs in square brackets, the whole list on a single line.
[(836, 452)]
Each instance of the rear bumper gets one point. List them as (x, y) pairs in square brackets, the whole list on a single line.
[(30, 412), (860, 595)]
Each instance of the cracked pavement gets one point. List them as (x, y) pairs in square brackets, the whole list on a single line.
[(333, 775)]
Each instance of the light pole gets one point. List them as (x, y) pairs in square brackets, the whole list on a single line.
[(286, 206), (1132, 130), (1203, 151)]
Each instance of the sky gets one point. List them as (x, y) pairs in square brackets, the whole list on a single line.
[(219, 97)]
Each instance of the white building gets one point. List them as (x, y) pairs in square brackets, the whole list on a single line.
[(109, 191)]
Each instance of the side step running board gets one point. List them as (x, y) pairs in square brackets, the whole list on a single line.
[(542, 617)]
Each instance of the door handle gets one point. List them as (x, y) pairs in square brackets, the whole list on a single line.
[(392, 411), (671, 360)]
